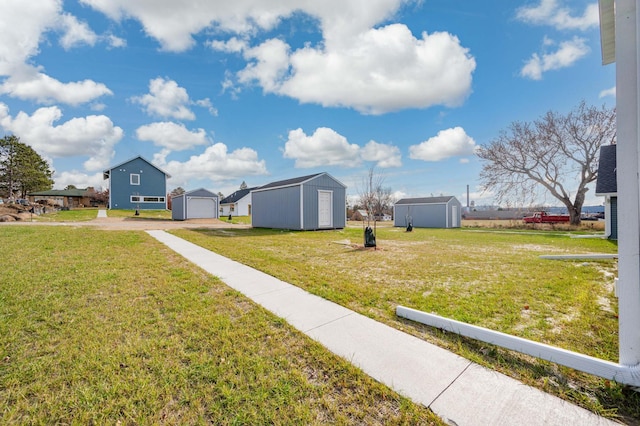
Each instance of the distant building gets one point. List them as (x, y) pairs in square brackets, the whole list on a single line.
[(607, 187), (428, 212), (69, 198), (237, 204), (137, 184)]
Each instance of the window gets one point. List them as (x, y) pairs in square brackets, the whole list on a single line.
[(146, 199), (134, 179), (153, 199)]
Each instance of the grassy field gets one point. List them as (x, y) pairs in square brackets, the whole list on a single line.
[(142, 214), (74, 215), (489, 277), (111, 327)]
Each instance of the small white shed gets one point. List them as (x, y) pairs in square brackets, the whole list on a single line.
[(196, 204), (428, 212)]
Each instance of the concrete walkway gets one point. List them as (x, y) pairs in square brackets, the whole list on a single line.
[(459, 391), (102, 213)]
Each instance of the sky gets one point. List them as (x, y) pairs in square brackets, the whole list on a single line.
[(217, 93)]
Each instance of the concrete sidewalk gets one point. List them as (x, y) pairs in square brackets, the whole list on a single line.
[(457, 390)]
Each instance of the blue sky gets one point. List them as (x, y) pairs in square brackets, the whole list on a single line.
[(217, 92)]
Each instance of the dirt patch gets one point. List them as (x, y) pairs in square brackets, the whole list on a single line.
[(18, 215)]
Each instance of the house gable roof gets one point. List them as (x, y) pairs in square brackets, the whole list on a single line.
[(295, 181), (107, 172), (607, 183), (236, 196), (426, 200)]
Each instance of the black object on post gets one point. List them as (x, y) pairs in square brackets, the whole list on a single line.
[(369, 238)]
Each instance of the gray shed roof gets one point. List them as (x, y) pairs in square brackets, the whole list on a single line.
[(294, 181), (606, 182), (238, 195), (426, 200)]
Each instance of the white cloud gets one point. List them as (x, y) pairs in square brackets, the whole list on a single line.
[(173, 23), (567, 54), (608, 92), (377, 71), (215, 163), (383, 70), (166, 99), (206, 103), (115, 41), (93, 136), (24, 25), (550, 13), (79, 179), (447, 143), (173, 136), (325, 147), (233, 45), (357, 65), (270, 63), (76, 33), (31, 85), (384, 155)]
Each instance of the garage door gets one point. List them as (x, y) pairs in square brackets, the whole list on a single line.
[(201, 208)]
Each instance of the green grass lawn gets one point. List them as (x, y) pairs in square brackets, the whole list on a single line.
[(491, 278), (74, 215), (112, 327), (142, 214)]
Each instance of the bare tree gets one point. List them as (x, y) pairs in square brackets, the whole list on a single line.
[(177, 191), (556, 155), (375, 198)]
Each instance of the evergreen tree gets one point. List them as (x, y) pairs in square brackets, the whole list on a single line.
[(22, 169)]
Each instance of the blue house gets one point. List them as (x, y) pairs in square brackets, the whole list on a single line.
[(304, 203), (137, 184)]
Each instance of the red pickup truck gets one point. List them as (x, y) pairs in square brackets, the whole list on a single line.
[(544, 217)]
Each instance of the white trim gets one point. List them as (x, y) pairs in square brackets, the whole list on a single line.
[(627, 107), (131, 179), (628, 375), (301, 206)]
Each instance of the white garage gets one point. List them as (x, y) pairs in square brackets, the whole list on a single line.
[(196, 204)]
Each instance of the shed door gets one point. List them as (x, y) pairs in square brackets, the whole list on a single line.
[(454, 213), (325, 209), (201, 208)]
